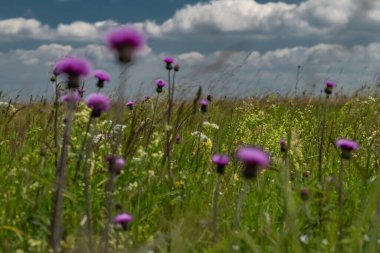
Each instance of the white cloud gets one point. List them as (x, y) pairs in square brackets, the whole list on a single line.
[(191, 57), (220, 73), (315, 20), (23, 29)]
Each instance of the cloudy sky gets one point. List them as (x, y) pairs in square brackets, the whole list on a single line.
[(229, 47)]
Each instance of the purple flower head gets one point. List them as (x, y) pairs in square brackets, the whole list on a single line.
[(168, 60), (123, 219), (221, 161), (347, 146), (71, 65), (71, 97), (98, 103), (125, 40), (253, 158), (102, 75), (120, 163), (146, 98), (177, 139), (117, 164), (204, 104), (330, 84), (74, 68), (160, 84), (283, 145), (130, 105)]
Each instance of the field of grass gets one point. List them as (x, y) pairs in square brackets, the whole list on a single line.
[(284, 209)]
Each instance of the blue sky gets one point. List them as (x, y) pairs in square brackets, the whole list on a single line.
[(230, 47)]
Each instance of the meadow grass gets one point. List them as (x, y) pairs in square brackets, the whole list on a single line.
[(276, 212)]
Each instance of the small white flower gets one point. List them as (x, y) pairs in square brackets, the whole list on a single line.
[(325, 242), (200, 135), (206, 123), (211, 125), (98, 138), (83, 221), (151, 173), (366, 238), (304, 239), (215, 126), (235, 247)]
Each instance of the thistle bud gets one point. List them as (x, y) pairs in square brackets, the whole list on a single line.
[(304, 194)]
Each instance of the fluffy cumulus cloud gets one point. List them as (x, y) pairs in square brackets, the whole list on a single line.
[(222, 73), (312, 20)]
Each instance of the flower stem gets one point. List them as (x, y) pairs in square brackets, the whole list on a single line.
[(80, 157), (168, 131), (340, 201), (56, 124), (56, 219), (152, 123), (110, 183), (320, 156), (215, 208), (87, 187)]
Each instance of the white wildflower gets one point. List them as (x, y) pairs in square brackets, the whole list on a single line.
[(210, 125), (200, 135), (304, 239)]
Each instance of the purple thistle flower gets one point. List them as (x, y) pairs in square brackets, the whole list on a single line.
[(169, 61), (146, 98), (177, 139), (120, 163), (347, 147), (71, 97), (283, 145), (329, 86), (123, 219), (74, 67), (116, 164), (253, 158), (98, 103), (160, 84), (125, 40), (221, 161), (329, 83), (204, 104), (102, 77), (130, 105)]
